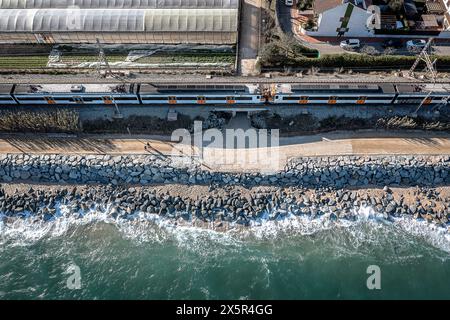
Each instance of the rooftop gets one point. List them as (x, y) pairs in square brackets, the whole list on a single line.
[(123, 20), (118, 4), (324, 5), (68, 88)]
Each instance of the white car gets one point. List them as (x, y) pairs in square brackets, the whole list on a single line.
[(289, 3), (350, 44), (416, 45)]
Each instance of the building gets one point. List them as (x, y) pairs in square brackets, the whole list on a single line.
[(119, 21), (353, 18), (446, 9), (336, 18)]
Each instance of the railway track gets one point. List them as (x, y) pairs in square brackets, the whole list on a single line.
[(200, 80)]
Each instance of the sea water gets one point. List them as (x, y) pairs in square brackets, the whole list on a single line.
[(294, 257)]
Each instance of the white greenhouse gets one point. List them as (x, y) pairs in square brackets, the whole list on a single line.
[(119, 21), (119, 4)]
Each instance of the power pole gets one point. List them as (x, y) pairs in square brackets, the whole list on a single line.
[(425, 57), (414, 114), (103, 60), (430, 68)]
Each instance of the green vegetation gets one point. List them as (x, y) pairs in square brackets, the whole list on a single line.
[(413, 124), (75, 59), (23, 62), (160, 58), (59, 120), (278, 58), (308, 124), (189, 58), (305, 4), (67, 121), (285, 51), (137, 124)]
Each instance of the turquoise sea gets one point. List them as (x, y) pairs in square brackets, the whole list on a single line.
[(293, 258)]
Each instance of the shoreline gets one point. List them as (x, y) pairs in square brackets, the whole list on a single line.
[(44, 187), (220, 208)]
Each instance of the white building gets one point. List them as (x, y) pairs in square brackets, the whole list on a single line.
[(341, 18), (352, 18), (446, 14)]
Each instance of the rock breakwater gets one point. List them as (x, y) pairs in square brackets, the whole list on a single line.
[(223, 206), (334, 172)]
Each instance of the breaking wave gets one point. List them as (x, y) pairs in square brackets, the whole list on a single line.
[(367, 227)]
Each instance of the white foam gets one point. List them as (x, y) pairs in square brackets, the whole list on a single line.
[(145, 227)]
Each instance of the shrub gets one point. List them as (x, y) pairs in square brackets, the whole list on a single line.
[(413, 123), (348, 61), (137, 124), (59, 120)]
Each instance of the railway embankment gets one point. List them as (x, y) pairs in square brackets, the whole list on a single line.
[(292, 120)]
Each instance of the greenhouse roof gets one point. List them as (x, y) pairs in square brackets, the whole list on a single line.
[(119, 20), (118, 4)]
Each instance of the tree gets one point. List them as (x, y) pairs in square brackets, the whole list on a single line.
[(270, 54), (370, 50), (395, 5)]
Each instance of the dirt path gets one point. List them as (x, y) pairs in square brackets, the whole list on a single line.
[(332, 144)]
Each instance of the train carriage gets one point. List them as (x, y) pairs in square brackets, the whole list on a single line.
[(66, 94), (199, 94), (6, 97), (332, 94), (224, 94), (422, 94)]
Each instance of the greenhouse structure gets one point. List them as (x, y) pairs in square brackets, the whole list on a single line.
[(119, 21)]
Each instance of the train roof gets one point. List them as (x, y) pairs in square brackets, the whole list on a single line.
[(73, 88), (423, 88), (197, 88), (5, 88), (343, 88)]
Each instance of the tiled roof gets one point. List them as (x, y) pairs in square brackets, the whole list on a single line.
[(324, 5), (435, 7)]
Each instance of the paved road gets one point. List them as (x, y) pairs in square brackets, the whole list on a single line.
[(355, 143), (284, 16), (249, 36), (330, 45)]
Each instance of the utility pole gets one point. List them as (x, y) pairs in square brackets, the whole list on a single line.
[(102, 60), (425, 57), (430, 68), (421, 104)]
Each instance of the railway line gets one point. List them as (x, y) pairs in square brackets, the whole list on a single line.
[(13, 78), (226, 94)]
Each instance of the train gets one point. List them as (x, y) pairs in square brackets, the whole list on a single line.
[(223, 94)]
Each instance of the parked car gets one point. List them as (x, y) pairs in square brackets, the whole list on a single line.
[(416, 45), (289, 3), (392, 43), (350, 44)]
